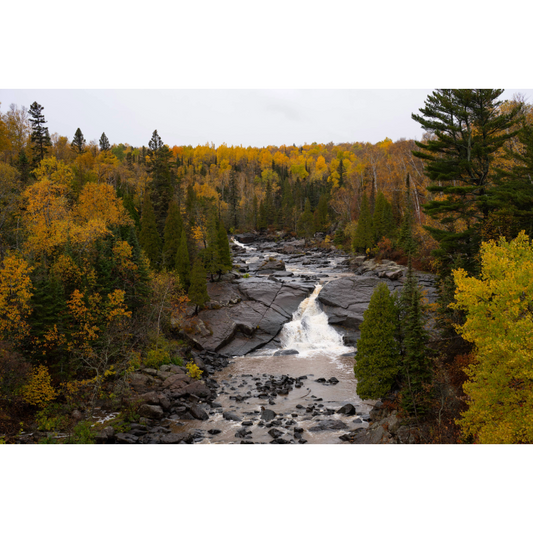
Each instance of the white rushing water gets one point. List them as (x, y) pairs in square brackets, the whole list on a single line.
[(243, 246), (309, 331)]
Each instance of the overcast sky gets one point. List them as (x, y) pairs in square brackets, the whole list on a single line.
[(236, 117)]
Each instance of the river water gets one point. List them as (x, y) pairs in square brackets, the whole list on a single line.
[(321, 355)]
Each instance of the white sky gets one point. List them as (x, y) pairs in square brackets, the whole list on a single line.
[(247, 117)]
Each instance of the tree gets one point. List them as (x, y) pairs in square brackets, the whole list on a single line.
[(233, 200), (306, 223), (159, 169), (377, 362), (364, 234), (383, 220), (39, 133), (172, 235), (499, 323), (183, 265), (149, 238), (224, 251), (414, 337), (104, 143), (198, 289), (78, 142), (468, 127)]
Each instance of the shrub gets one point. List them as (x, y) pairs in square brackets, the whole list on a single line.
[(39, 391), (193, 370)]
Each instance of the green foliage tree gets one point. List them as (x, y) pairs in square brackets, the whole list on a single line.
[(498, 306), (416, 370), (183, 265), (172, 235), (224, 251), (39, 133), (468, 127), (198, 289), (78, 142), (104, 143), (364, 233), (383, 219), (306, 222), (160, 171), (149, 238), (377, 363), (233, 200), (321, 214)]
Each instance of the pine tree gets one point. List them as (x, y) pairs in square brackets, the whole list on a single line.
[(149, 238), (159, 169), (172, 235), (78, 142), (224, 251), (233, 200), (139, 292), (414, 337), (104, 143), (383, 220), (364, 234), (198, 290), (377, 362), (183, 265), (210, 255), (469, 128), (406, 240), (39, 134), (321, 214), (306, 222)]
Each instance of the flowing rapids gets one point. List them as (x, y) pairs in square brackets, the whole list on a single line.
[(321, 354), (309, 332)]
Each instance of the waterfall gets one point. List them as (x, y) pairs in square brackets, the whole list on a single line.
[(309, 331), (243, 246)]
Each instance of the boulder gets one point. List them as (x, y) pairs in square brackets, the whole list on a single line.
[(126, 438), (328, 425), (347, 409), (245, 238), (150, 411), (271, 264), (231, 415), (286, 352), (267, 415), (198, 412)]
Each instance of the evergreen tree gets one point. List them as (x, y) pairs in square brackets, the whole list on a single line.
[(160, 171), (224, 251), (364, 234), (211, 257), (104, 143), (233, 200), (415, 362), (406, 240), (149, 238), (306, 223), (39, 133), (469, 128), (78, 142), (198, 288), (377, 362), (139, 291), (321, 214), (172, 235), (183, 265), (383, 220)]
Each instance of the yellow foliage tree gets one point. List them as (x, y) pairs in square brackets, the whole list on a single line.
[(39, 390), (15, 295), (499, 307)]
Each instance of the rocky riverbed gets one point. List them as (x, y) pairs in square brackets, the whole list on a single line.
[(276, 346)]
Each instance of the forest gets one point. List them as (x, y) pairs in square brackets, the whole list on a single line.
[(103, 244)]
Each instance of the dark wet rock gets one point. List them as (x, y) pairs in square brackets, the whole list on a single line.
[(247, 423), (246, 238), (198, 412), (275, 433), (349, 354), (279, 440), (286, 352), (298, 430), (214, 431), (347, 409), (242, 433), (174, 438), (267, 415), (176, 381), (126, 438), (321, 380), (231, 415), (150, 411), (328, 425), (333, 380), (106, 435)]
